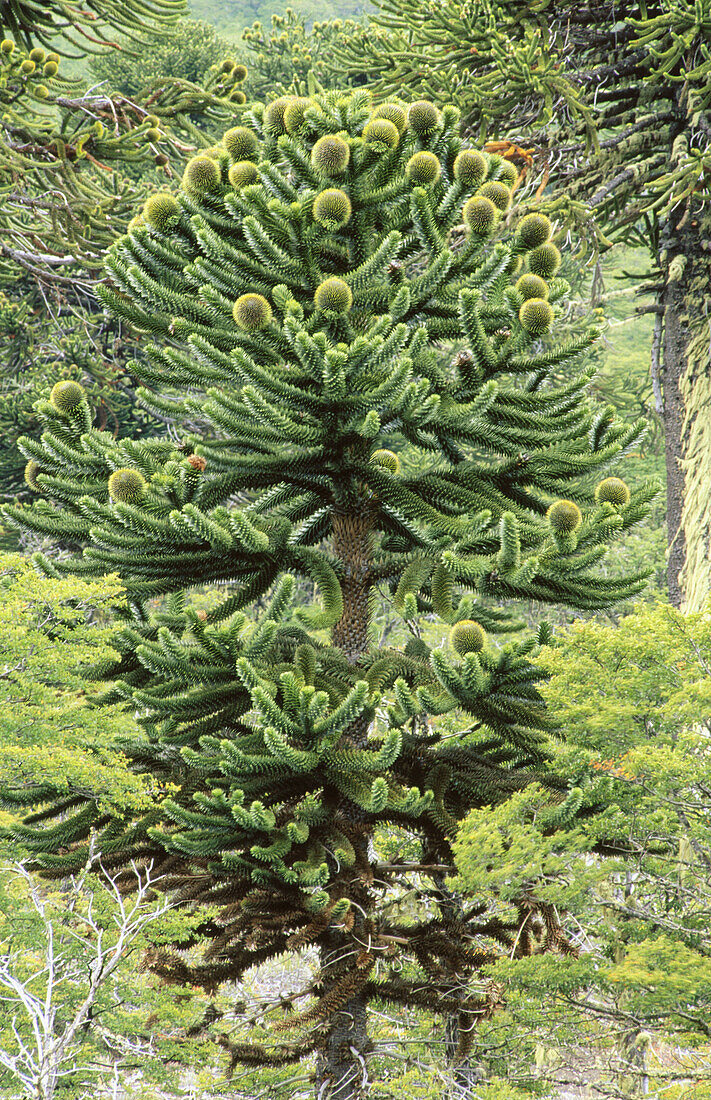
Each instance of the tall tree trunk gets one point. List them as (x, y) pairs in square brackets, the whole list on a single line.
[(459, 1028), (673, 369), (352, 544), (687, 407), (466, 1075), (341, 1071)]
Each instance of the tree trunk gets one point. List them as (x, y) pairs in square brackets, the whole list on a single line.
[(459, 1028), (673, 369), (687, 408), (341, 1070), (634, 1052), (466, 1075), (352, 543)]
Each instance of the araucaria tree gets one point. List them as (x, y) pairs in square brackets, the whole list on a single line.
[(301, 287)]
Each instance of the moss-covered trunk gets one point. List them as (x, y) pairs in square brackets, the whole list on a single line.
[(687, 408), (673, 368)]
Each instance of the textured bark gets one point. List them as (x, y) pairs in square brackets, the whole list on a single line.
[(346, 962), (673, 368), (341, 1070), (352, 543), (687, 408)]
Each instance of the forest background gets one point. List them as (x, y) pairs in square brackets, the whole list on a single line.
[(643, 1002)]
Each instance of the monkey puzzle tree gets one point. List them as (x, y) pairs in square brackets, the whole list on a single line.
[(283, 57), (298, 288), (187, 53)]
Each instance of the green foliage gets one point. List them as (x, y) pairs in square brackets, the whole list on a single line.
[(281, 57), (49, 733), (527, 76), (75, 1000), (513, 69), (624, 382), (188, 53), (625, 854), (36, 351), (291, 738), (43, 153), (71, 177), (75, 26)]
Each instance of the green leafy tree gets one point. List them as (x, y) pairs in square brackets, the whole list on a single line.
[(68, 953), (613, 101), (48, 732), (296, 288), (79, 1016), (61, 954), (625, 860)]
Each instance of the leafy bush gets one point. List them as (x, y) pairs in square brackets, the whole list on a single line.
[(624, 858)]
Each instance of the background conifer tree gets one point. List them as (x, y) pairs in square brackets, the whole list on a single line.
[(75, 162), (298, 287), (283, 56), (187, 53), (71, 160)]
